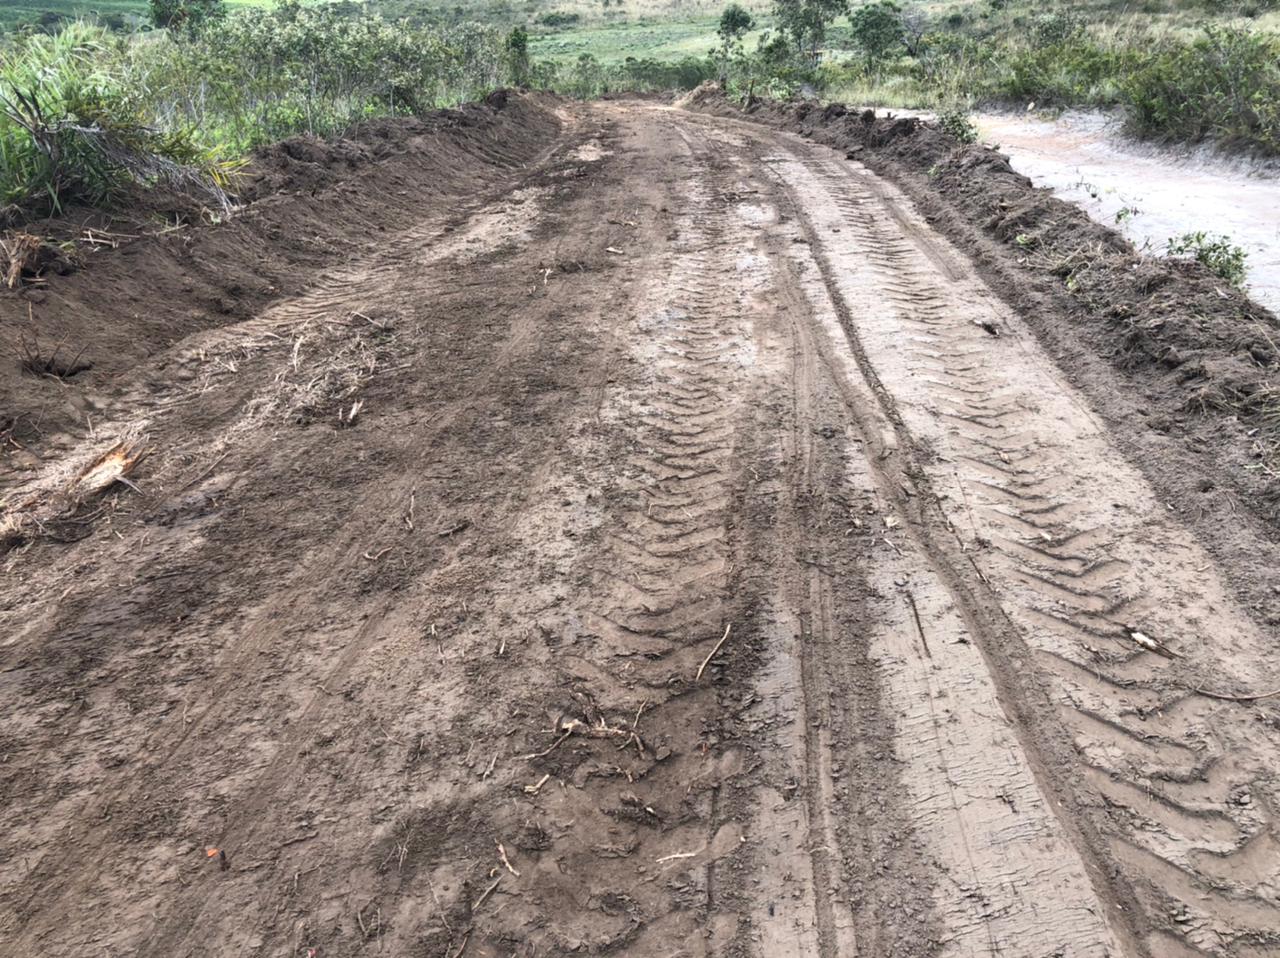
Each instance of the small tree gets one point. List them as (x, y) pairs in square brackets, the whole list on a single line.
[(735, 23), (185, 14), (877, 29), (517, 47), (915, 27), (806, 22)]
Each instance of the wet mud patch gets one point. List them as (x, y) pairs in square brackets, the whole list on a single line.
[(1184, 368)]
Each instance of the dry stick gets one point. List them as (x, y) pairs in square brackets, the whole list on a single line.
[(486, 893), (408, 519), (208, 469), (712, 654), (984, 579), (463, 947), (1236, 698), (439, 908), (550, 748), (502, 853), (919, 626), (535, 789), (674, 857)]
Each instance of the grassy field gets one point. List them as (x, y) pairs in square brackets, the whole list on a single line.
[(642, 37), (14, 13)]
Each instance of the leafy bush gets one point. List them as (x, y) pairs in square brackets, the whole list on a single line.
[(185, 14), (557, 19), (1071, 73), (84, 111), (956, 122), (1225, 85), (1058, 27), (877, 30), (588, 77), (1216, 253), (261, 75)]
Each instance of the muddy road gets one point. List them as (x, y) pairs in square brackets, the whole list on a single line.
[(711, 565)]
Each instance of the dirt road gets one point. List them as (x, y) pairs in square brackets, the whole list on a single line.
[(711, 565)]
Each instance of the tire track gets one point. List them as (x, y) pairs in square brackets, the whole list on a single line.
[(1074, 543)]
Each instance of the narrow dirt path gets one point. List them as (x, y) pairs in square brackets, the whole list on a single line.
[(713, 566)]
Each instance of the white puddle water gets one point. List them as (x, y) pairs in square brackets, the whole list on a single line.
[(1080, 157)]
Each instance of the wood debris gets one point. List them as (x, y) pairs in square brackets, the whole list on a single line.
[(712, 654)]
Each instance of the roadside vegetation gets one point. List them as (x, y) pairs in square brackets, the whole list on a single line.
[(85, 109), (1212, 78), (182, 90)]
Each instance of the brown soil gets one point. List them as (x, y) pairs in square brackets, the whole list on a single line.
[(628, 531)]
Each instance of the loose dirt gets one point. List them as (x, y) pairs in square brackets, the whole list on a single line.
[(658, 540)]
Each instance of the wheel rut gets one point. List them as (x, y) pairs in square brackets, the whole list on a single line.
[(717, 568), (1078, 554)]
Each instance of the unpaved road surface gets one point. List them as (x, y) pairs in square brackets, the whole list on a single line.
[(714, 566), (1152, 193)]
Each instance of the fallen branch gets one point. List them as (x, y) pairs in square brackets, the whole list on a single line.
[(535, 789), (712, 654), (550, 748), (487, 892), (1223, 696), (502, 853), (676, 856), (915, 612)]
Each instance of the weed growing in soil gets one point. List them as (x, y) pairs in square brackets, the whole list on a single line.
[(956, 122), (1216, 253)]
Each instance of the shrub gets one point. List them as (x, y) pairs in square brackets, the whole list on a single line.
[(956, 123), (557, 19), (1050, 29), (74, 126), (1224, 85), (185, 14), (877, 30), (84, 111), (1216, 253)]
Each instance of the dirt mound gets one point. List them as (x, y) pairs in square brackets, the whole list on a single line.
[(705, 94), (1198, 357), (160, 272)]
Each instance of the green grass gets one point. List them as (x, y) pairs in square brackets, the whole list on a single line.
[(14, 13), (612, 42)]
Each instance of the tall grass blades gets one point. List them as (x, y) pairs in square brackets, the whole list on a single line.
[(84, 111)]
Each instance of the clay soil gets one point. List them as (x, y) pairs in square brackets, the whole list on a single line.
[(634, 528)]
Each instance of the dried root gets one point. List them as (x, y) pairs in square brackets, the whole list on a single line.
[(56, 364), (25, 256), (57, 513)]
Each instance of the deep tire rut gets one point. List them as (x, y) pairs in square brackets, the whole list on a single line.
[(716, 567)]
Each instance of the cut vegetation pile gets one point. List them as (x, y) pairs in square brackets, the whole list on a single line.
[(313, 205)]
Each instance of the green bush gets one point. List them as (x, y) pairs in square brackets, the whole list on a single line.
[(558, 19), (1224, 86), (1075, 72), (877, 30), (957, 123), (1216, 253), (588, 77), (75, 125)]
